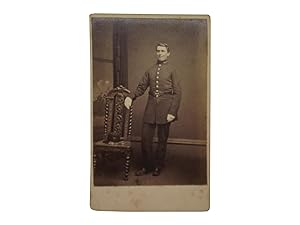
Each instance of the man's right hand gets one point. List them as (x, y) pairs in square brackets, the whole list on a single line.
[(128, 102)]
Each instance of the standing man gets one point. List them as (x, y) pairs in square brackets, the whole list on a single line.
[(161, 109)]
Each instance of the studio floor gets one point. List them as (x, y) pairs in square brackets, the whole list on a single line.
[(185, 165)]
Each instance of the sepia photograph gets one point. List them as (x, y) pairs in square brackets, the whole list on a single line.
[(150, 106)]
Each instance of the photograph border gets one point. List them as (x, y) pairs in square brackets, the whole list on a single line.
[(145, 198)]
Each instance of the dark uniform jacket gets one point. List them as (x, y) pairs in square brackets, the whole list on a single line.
[(164, 92)]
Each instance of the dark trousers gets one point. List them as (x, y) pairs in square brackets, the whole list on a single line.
[(157, 159)]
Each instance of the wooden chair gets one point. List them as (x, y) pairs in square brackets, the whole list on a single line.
[(117, 129)]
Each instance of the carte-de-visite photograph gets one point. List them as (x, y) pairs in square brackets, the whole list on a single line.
[(150, 100)]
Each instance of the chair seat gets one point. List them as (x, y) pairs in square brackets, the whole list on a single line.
[(111, 145)]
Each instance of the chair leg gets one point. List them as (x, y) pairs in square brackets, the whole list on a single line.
[(94, 162), (127, 164)]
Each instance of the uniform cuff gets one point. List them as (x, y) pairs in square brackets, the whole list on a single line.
[(132, 96)]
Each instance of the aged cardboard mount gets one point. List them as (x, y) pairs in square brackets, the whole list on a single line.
[(126, 62)]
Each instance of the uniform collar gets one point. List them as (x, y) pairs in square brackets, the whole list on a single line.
[(162, 62)]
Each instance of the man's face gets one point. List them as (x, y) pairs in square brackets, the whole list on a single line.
[(162, 53)]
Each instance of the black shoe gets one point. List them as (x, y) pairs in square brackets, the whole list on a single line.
[(156, 172), (141, 172)]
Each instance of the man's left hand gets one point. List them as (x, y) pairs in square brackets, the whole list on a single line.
[(170, 117)]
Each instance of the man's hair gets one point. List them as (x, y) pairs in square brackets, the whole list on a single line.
[(163, 45)]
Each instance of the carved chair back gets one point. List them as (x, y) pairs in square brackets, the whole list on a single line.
[(118, 119)]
